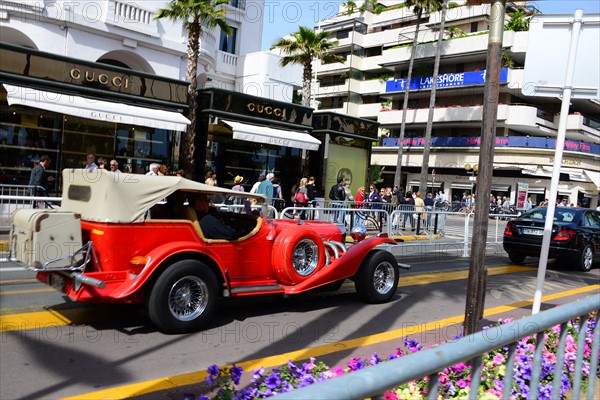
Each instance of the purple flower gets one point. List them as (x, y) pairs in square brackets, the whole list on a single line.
[(374, 360), (306, 380), (273, 381), (213, 370), (412, 344), (236, 374), (257, 374), (356, 364)]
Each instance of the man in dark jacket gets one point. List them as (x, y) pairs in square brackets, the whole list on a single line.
[(38, 178), (337, 194)]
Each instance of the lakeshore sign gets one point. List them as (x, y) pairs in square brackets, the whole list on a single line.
[(455, 79)]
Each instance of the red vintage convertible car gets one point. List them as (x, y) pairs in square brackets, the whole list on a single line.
[(126, 238)]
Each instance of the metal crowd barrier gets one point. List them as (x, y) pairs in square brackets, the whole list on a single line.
[(13, 197), (375, 380)]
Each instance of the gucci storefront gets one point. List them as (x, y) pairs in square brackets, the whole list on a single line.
[(66, 108), (251, 136)]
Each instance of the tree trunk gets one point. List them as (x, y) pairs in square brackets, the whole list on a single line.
[(187, 149), (306, 83), (428, 129), (476, 284), (398, 175)]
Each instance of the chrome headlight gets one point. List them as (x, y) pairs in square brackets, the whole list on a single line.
[(359, 233), (305, 257)]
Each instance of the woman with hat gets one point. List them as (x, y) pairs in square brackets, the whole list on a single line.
[(238, 183)]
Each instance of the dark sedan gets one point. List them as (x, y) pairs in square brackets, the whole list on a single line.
[(575, 237)]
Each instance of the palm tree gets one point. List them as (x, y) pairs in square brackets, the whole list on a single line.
[(197, 15), (302, 48), (419, 6), (429, 127)]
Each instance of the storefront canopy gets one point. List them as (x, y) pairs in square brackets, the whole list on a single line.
[(275, 137), (95, 109)]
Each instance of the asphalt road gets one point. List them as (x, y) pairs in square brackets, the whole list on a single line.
[(52, 348)]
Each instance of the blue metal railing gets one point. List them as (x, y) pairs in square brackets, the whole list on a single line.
[(375, 380)]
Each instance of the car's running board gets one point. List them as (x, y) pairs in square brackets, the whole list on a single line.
[(258, 288)]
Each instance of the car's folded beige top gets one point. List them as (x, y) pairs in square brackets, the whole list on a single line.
[(104, 196)]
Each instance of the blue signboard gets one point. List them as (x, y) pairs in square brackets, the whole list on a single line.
[(443, 81), (501, 141)]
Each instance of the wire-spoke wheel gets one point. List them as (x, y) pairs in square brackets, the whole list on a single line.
[(184, 297), (377, 278), (188, 298)]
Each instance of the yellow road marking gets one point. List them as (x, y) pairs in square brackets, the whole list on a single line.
[(26, 291), (141, 388), (13, 281)]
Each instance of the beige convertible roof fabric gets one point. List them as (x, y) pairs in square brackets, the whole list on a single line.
[(104, 196)]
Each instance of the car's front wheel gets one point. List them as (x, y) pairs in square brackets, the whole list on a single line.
[(516, 258), (184, 297), (586, 259), (377, 278)]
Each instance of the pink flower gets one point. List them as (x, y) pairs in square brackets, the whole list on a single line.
[(459, 367), (389, 395), (550, 357), (443, 378), (498, 359), (309, 366), (495, 392)]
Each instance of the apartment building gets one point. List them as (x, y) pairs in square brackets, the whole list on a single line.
[(107, 77), (370, 85)]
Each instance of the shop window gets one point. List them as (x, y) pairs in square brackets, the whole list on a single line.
[(227, 42), (26, 135)]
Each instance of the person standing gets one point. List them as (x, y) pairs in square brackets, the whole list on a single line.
[(114, 166), (419, 208), (153, 170), (237, 181), (90, 164), (266, 187), (254, 188), (337, 195), (359, 204), (311, 193), (101, 163), (39, 179), (429, 203)]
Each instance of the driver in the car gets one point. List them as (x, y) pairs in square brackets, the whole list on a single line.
[(213, 227)]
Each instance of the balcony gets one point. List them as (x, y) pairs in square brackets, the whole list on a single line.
[(132, 17), (226, 63)]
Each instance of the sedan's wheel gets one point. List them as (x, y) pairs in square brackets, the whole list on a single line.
[(184, 297), (586, 259), (377, 278), (516, 258)]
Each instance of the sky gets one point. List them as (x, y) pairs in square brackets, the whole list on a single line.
[(282, 17)]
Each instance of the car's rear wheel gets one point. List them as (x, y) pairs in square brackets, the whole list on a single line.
[(586, 259), (184, 297), (516, 258), (377, 278)]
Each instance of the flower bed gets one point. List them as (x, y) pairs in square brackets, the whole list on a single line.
[(454, 382)]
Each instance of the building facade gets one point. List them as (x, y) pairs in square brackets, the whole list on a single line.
[(107, 77), (370, 85)]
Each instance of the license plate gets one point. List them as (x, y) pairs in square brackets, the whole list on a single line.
[(56, 281), (533, 232)]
